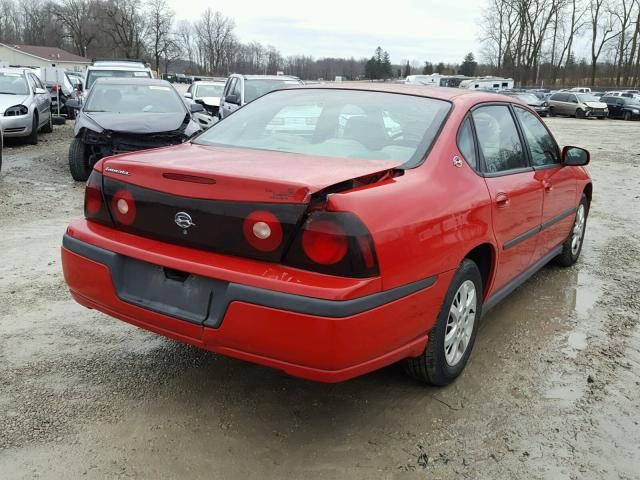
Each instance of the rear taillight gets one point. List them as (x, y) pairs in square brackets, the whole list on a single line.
[(94, 205), (336, 243), (262, 230), (123, 207)]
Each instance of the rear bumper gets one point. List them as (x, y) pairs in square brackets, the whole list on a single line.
[(315, 338)]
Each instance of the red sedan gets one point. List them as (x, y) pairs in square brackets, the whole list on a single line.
[(328, 232)]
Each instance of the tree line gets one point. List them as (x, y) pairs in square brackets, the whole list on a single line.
[(561, 42)]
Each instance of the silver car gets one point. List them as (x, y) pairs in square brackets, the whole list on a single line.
[(25, 105)]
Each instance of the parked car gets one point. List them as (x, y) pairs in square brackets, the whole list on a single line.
[(242, 89), (634, 94), (206, 93), (622, 107), (540, 106), (580, 90), (126, 115), (1, 145), (580, 105), (316, 254), (25, 105), (115, 69), (61, 90)]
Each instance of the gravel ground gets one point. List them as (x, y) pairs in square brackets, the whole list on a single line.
[(552, 389)]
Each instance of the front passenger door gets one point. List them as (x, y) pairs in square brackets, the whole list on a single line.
[(557, 183), (515, 192)]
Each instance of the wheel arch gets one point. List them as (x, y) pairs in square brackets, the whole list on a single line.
[(484, 256), (588, 192)]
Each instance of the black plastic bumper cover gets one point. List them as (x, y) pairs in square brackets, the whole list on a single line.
[(205, 300)]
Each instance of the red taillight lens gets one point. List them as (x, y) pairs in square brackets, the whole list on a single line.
[(262, 230), (94, 206), (336, 243), (324, 242), (123, 207), (93, 196)]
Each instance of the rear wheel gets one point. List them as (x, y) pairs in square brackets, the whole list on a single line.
[(32, 139), (452, 337), (572, 246), (78, 161)]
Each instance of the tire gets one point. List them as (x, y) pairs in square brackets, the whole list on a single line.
[(572, 246), (627, 116), (552, 112), (48, 127), (32, 139), (78, 161), (440, 366), (71, 113), (579, 113)]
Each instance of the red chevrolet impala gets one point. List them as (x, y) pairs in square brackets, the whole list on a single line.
[(328, 232)]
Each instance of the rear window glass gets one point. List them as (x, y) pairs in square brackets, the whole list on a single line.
[(93, 75), (335, 123)]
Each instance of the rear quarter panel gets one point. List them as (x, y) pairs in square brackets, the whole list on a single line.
[(424, 222)]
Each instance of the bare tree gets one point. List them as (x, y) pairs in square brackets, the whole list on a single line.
[(123, 22), (77, 18), (159, 29)]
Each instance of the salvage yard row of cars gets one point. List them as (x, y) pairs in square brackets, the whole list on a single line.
[(273, 236)]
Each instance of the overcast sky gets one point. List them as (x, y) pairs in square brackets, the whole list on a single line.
[(434, 30)]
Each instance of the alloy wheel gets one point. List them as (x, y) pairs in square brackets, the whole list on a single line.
[(460, 322), (578, 230)]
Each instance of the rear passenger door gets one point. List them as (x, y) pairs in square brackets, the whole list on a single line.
[(516, 194), (557, 182)]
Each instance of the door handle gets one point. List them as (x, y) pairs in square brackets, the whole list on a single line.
[(547, 185), (502, 200)]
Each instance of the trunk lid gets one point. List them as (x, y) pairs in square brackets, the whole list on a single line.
[(235, 174), (211, 198)]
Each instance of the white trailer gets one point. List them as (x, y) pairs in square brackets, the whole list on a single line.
[(488, 83)]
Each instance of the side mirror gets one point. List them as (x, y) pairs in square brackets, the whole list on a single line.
[(72, 104), (196, 107), (575, 156), (39, 91), (232, 99), (188, 95)]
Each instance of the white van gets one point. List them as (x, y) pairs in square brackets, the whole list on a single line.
[(115, 68)]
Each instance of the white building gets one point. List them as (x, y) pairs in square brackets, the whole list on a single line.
[(41, 57)]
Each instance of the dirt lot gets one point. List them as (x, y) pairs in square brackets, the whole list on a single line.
[(552, 389)]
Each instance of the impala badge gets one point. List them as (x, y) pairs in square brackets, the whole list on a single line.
[(184, 221), (457, 162)]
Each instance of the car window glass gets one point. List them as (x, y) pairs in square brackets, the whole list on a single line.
[(32, 83), (498, 139), (232, 86), (236, 88), (355, 125), (541, 144), (466, 143)]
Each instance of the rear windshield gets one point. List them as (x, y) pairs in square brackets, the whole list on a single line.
[(254, 88), (335, 123), (528, 98), (134, 99), (93, 75), (13, 84)]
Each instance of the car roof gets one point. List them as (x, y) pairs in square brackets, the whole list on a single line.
[(441, 93), (15, 70), (266, 77), (209, 82), (131, 81)]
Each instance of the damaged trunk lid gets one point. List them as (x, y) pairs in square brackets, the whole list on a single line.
[(210, 197)]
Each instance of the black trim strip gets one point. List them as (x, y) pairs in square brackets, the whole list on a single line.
[(559, 217), (226, 292), (530, 233), (519, 280), (521, 238)]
